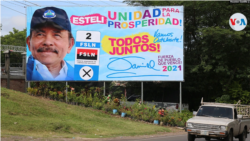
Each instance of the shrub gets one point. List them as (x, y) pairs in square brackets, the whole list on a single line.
[(175, 118), (35, 91), (60, 95), (128, 113), (92, 97), (52, 94), (30, 90), (77, 98), (116, 102), (107, 108), (97, 105), (123, 109), (145, 117), (74, 97), (87, 101), (107, 99), (97, 100), (138, 111), (71, 96)]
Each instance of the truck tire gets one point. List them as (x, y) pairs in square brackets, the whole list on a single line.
[(229, 136), (191, 137), (243, 136)]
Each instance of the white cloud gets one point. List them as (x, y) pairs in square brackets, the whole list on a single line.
[(18, 22)]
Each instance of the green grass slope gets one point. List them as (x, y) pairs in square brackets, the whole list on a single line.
[(25, 115)]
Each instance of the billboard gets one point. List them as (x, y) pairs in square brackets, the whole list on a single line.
[(105, 43)]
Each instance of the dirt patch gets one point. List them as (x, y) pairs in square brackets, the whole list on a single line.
[(12, 113), (5, 95)]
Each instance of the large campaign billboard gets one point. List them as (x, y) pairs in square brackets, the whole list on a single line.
[(105, 43)]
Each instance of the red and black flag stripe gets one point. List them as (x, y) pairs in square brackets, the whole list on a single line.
[(88, 54)]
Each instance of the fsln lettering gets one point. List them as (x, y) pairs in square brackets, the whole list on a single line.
[(86, 54)]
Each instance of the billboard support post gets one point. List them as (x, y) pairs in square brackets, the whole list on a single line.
[(7, 66), (104, 88), (141, 92), (24, 68), (24, 63), (180, 98), (66, 91)]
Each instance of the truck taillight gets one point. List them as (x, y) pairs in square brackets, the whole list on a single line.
[(177, 106)]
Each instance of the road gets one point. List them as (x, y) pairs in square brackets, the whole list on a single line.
[(167, 137), (182, 137)]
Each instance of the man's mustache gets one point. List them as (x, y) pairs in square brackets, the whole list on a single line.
[(47, 49)]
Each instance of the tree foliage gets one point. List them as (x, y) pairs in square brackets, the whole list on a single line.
[(216, 57), (237, 93), (15, 38), (223, 99)]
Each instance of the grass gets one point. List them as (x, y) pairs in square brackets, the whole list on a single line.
[(25, 115)]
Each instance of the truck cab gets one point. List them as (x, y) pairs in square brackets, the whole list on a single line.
[(220, 121)]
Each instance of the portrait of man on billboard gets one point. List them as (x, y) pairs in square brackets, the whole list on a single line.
[(50, 40)]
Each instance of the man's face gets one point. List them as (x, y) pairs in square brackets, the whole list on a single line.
[(50, 45)]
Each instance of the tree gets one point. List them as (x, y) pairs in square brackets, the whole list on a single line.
[(215, 55), (223, 99), (15, 38)]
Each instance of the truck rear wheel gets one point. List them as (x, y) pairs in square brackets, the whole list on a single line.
[(229, 136), (191, 137), (243, 136)]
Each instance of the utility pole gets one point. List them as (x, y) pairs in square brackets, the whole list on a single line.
[(7, 66)]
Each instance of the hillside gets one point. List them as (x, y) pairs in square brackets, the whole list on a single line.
[(25, 115)]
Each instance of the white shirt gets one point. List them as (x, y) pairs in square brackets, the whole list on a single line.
[(45, 73)]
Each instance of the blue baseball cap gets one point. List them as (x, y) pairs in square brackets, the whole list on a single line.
[(51, 15)]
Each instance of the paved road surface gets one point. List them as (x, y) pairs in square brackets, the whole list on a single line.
[(177, 136), (182, 137)]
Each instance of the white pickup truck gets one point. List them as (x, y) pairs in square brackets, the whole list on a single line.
[(220, 121)]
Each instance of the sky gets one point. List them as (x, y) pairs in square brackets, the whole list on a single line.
[(13, 12)]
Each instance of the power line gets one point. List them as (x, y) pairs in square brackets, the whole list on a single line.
[(87, 5), (76, 3), (31, 2), (93, 2), (105, 2), (72, 2), (15, 4), (21, 3), (13, 9), (63, 1), (116, 1)]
